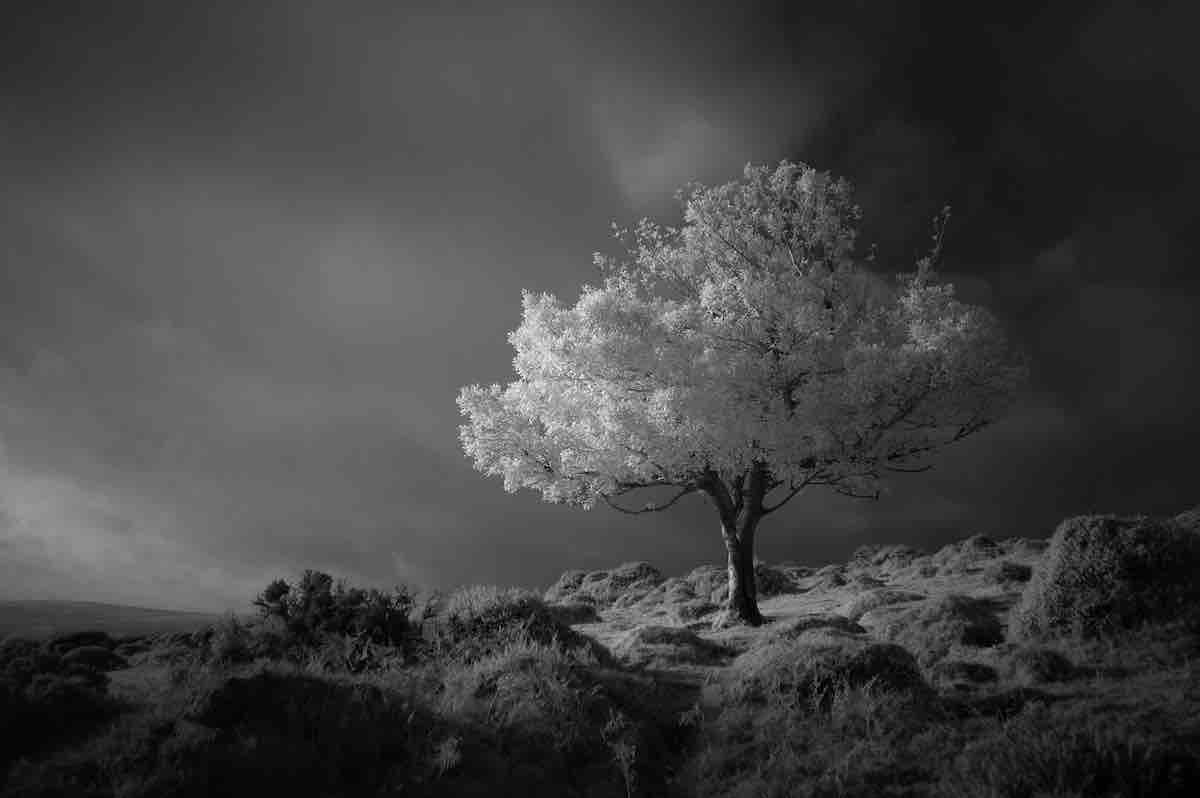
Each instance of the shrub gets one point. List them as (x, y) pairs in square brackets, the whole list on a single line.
[(316, 618), (1106, 572), (860, 605)]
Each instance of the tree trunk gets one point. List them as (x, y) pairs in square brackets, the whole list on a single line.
[(741, 605)]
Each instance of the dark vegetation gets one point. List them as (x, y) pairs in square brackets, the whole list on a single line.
[(994, 669)]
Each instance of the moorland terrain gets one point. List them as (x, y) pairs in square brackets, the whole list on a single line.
[(989, 668)]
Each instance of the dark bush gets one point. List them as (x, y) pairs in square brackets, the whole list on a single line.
[(1104, 573)]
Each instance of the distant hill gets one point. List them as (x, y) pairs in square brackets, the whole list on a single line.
[(38, 619)]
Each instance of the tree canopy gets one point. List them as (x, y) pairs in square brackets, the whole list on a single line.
[(749, 348)]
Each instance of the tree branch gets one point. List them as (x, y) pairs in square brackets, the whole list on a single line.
[(651, 507)]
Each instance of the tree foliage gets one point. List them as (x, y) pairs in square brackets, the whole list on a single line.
[(750, 343)]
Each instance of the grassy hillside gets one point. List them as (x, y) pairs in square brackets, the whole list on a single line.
[(987, 669)]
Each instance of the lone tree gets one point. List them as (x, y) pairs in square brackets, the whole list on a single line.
[(746, 356)]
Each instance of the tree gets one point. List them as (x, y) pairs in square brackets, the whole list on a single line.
[(746, 356)]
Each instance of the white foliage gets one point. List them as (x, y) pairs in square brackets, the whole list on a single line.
[(751, 336)]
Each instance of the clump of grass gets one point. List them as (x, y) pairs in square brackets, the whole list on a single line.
[(1039, 753), (934, 628), (479, 621), (1039, 664)]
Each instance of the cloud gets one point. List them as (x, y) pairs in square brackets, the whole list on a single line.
[(68, 540)]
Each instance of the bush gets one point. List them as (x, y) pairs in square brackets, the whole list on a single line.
[(1103, 573), (231, 642), (317, 606)]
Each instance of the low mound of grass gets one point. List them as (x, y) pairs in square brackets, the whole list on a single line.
[(1007, 572), (798, 626), (818, 660), (662, 646), (1038, 664), (1104, 573), (964, 671), (860, 605), (934, 628), (627, 583), (479, 621)]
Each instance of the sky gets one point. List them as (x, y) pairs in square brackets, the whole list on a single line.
[(252, 251)]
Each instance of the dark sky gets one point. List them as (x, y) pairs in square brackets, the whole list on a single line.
[(251, 251)]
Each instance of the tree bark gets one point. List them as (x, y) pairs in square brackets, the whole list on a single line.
[(741, 605), (740, 512)]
